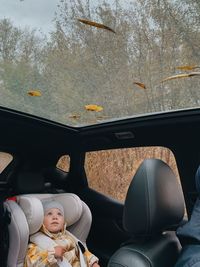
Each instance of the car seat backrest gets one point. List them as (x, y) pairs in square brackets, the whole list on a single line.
[(27, 218), (157, 192), (18, 234), (154, 205)]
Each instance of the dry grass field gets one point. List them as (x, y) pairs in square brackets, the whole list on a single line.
[(110, 171)]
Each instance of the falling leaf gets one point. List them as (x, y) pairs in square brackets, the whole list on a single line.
[(95, 24), (187, 67), (182, 75), (93, 108), (74, 116), (102, 117), (34, 93), (141, 85)]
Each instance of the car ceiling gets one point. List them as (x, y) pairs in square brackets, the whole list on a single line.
[(31, 134), (44, 142)]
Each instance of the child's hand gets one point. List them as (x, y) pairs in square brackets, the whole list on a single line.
[(95, 264), (59, 252)]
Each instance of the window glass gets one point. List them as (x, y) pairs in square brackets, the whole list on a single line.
[(110, 171), (5, 159), (84, 62), (64, 163)]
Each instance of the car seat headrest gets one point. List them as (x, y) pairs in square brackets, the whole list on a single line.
[(154, 200), (33, 208), (57, 177), (29, 182)]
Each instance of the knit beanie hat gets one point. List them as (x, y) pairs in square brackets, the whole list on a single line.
[(52, 204)]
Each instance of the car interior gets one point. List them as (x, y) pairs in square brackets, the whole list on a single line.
[(137, 232), (99, 109)]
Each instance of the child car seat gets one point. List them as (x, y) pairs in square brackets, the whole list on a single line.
[(27, 217)]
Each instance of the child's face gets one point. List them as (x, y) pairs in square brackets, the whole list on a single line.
[(54, 220)]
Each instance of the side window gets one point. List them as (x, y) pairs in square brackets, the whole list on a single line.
[(5, 159), (111, 171), (64, 163)]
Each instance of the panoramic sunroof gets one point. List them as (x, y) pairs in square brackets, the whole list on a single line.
[(87, 62)]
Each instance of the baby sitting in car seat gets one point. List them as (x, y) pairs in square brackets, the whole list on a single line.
[(54, 246), (189, 234)]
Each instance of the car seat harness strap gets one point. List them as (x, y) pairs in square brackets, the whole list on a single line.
[(46, 243)]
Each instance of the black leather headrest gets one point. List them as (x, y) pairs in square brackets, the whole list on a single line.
[(154, 200), (57, 177), (29, 182)]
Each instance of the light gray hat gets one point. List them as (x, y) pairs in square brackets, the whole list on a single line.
[(52, 204)]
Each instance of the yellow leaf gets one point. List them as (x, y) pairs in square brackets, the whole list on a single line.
[(95, 24), (93, 108), (182, 75), (34, 93), (141, 85), (187, 67)]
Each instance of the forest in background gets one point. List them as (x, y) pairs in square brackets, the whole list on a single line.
[(111, 171), (76, 64)]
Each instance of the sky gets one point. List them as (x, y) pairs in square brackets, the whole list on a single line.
[(37, 14), (32, 13)]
